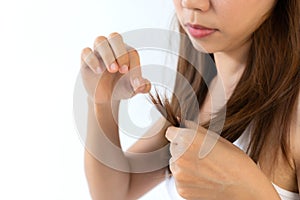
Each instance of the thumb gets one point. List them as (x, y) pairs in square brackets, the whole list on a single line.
[(180, 135), (144, 86), (171, 133), (190, 124)]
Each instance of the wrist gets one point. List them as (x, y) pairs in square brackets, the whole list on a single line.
[(103, 118), (110, 107)]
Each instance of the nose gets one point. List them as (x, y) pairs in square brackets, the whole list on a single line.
[(202, 5)]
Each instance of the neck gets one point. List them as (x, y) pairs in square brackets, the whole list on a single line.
[(230, 67)]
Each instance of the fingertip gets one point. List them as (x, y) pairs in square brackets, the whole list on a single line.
[(171, 133), (141, 85), (113, 34), (113, 67), (147, 86), (171, 161), (124, 69), (86, 51)]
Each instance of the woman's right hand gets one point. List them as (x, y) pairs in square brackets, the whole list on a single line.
[(111, 62)]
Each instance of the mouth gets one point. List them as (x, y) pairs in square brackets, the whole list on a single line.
[(199, 31)]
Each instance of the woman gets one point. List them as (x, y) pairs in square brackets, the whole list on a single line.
[(255, 46)]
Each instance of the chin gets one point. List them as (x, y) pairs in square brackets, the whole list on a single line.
[(203, 48)]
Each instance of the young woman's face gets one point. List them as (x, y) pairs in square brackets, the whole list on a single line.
[(221, 25)]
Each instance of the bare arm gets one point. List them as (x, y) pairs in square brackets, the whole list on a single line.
[(123, 183), (110, 173)]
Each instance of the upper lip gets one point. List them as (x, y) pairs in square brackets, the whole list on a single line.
[(198, 26)]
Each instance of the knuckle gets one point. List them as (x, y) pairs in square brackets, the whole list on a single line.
[(118, 46), (116, 41), (171, 132), (175, 168), (113, 35), (85, 53), (99, 40), (180, 177), (172, 168)]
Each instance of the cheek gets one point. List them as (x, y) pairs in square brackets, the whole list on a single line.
[(177, 5), (243, 16), (238, 25), (241, 29)]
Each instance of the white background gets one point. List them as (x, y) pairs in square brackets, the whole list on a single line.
[(40, 44)]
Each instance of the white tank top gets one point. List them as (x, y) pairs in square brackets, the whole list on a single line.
[(241, 143)]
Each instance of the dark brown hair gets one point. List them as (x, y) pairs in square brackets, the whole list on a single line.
[(267, 92)]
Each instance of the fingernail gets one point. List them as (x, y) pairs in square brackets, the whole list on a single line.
[(98, 70), (136, 82), (124, 68), (114, 67)]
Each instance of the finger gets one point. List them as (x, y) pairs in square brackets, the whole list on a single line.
[(208, 138), (104, 51), (145, 86), (89, 59), (190, 124), (181, 139), (120, 52), (172, 165), (139, 84), (181, 135), (171, 133)]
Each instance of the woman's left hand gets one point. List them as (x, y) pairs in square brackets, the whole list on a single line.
[(226, 172)]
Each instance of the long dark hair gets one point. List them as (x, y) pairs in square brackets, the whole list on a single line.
[(267, 92)]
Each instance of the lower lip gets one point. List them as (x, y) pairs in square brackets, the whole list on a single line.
[(200, 32)]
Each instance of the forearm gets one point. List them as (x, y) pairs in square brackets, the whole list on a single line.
[(106, 166), (103, 181), (106, 183), (111, 174)]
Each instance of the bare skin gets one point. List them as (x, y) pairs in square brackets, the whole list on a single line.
[(191, 175), (97, 62), (132, 185), (234, 22)]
